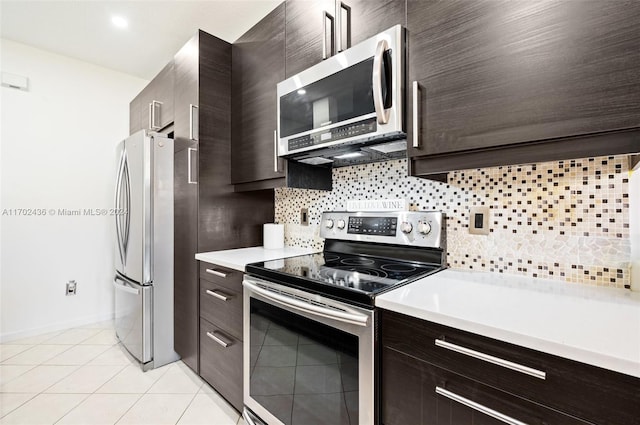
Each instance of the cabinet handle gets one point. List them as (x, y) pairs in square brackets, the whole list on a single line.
[(491, 359), (275, 151), (218, 295), (193, 122), (190, 180), (326, 15), (416, 114), (478, 407), (215, 272), (340, 6), (377, 75), (152, 115), (218, 339)]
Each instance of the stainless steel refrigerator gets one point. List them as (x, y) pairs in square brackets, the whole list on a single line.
[(144, 248)]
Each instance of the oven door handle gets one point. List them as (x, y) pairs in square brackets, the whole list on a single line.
[(341, 316)]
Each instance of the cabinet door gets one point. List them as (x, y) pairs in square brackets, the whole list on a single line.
[(305, 27), (368, 18), (185, 69), (258, 66), (185, 287), (415, 392), (153, 103), (135, 120), (304, 33), (186, 312), (161, 97), (495, 73)]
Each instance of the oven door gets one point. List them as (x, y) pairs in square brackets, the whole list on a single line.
[(307, 359)]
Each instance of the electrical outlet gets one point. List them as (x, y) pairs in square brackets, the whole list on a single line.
[(71, 287), (304, 216), (479, 220)]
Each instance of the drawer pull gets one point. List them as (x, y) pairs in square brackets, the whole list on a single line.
[(218, 295), (478, 407), (216, 273), (218, 339), (491, 359)]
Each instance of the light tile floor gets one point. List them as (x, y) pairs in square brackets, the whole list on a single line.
[(82, 376)]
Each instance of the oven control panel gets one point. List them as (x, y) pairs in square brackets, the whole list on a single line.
[(418, 228)]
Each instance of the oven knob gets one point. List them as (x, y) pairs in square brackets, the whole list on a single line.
[(328, 223), (424, 227), (341, 224), (406, 227)]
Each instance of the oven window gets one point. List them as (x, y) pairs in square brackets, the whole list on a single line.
[(344, 95), (303, 372)]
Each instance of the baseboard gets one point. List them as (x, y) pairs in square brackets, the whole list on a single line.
[(87, 320)]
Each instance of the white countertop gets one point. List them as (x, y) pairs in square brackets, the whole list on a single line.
[(598, 326), (237, 259)]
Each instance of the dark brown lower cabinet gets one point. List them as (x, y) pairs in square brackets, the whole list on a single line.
[(416, 392), (221, 362), (221, 331), (417, 357)]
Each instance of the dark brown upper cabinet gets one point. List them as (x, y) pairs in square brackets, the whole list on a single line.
[(502, 82), (152, 109), (258, 66), (258, 59), (316, 30), (308, 23)]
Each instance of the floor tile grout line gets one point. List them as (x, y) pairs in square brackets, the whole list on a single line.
[(186, 408), (130, 407), (32, 367), (21, 404)]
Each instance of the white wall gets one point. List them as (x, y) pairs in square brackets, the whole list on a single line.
[(58, 152)]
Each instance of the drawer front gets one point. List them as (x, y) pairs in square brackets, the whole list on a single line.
[(230, 279), (591, 393), (221, 306), (415, 392), (221, 366)]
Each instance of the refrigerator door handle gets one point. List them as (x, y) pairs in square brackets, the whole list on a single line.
[(127, 206), (118, 206), (123, 287)]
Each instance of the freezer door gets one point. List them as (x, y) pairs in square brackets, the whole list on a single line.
[(133, 215), (133, 317)]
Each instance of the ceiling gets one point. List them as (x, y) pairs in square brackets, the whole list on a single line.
[(83, 29)]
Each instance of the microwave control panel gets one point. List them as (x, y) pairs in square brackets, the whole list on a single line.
[(337, 133)]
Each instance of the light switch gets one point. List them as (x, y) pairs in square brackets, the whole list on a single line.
[(479, 220)]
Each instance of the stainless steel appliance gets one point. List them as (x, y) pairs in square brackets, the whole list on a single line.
[(144, 248), (349, 108), (310, 322)]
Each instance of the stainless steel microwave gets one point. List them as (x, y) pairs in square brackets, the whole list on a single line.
[(349, 108)]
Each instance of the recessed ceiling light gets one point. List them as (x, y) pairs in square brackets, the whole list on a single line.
[(119, 21), (302, 91)]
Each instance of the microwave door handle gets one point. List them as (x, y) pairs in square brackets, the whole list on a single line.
[(377, 75)]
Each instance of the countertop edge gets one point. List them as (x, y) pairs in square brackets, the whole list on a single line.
[(237, 259), (615, 364)]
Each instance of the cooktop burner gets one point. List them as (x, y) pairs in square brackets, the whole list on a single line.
[(365, 254), (338, 272)]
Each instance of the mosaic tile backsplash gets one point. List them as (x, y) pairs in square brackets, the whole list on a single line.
[(564, 220)]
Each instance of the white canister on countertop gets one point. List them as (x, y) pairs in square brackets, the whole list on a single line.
[(273, 236)]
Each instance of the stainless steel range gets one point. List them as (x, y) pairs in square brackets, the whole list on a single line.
[(309, 325)]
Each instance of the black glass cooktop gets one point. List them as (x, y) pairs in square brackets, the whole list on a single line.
[(346, 277)]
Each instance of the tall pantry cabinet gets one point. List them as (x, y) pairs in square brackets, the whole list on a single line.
[(209, 215)]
